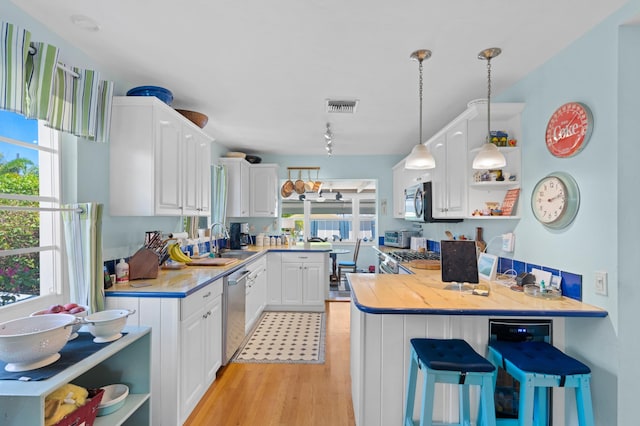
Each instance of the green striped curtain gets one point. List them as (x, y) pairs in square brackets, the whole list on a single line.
[(103, 116), (35, 85), (14, 50), (219, 194), (41, 69)]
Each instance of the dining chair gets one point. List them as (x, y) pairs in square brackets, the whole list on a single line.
[(350, 265)]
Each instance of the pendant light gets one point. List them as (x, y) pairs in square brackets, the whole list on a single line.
[(489, 156), (420, 157)]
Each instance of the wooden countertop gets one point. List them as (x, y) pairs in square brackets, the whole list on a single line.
[(179, 283), (424, 293)]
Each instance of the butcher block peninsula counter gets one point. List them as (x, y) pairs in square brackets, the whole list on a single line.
[(388, 310)]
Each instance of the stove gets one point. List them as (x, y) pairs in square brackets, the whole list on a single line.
[(408, 256)]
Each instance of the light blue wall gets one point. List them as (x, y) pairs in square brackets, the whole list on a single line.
[(601, 70)]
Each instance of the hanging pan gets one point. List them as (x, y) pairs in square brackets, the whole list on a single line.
[(308, 185), (287, 187), (299, 185)]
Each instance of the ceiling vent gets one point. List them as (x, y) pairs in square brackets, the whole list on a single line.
[(342, 106)]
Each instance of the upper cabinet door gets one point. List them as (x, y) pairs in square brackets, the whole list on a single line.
[(190, 203), (168, 171), (237, 186), (264, 190)]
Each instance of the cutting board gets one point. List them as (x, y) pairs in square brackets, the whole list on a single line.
[(211, 261), (425, 264)]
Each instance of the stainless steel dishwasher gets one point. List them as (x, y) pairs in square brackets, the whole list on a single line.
[(233, 310)]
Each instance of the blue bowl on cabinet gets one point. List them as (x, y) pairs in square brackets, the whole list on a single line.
[(161, 93)]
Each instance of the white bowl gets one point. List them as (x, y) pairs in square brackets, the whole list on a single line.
[(33, 342), (113, 398), (76, 327), (106, 326)]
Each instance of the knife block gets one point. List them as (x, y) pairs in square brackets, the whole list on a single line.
[(143, 264)]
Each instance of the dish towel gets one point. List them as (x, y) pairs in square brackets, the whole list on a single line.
[(14, 50)]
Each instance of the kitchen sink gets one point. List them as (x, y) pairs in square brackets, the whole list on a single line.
[(236, 254)]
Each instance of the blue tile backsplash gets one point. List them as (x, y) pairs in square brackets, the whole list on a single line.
[(570, 284)]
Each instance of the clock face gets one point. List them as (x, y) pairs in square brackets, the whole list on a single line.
[(569, 129), (555, 200)]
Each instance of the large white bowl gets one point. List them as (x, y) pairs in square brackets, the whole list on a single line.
[(113, 399), (33, 342), (106, 326), (76, 327)]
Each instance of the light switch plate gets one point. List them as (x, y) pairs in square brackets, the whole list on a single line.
[(601, 284)]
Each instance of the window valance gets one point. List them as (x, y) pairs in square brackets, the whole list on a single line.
[(35, 84)]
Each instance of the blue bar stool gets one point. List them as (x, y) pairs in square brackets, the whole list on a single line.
[(539, 366), (449, 361)]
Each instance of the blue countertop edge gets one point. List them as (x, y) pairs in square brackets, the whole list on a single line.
[(182, 295), (475, 312)]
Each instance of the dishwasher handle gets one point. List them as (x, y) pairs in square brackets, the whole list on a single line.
[(234, 280)]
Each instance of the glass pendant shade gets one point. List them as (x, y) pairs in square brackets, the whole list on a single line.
[(489, 157), (420, 158)]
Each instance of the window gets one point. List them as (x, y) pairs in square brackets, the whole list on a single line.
[(30, 226), (333, 218)]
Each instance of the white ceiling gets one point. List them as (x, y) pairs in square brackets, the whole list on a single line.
[(262, 70)]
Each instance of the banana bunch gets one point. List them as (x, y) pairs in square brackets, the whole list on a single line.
[(176, 254)]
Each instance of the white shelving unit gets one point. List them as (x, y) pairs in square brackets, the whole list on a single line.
[(126, 360)]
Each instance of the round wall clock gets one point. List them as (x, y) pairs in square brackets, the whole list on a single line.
[(555, 200), (569, 129)]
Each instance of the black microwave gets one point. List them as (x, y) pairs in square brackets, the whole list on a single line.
[(418, 204)]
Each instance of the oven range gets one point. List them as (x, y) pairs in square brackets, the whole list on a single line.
[(389, 263)]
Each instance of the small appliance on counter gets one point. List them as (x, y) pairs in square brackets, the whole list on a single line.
[(399, 239), (239, 234)]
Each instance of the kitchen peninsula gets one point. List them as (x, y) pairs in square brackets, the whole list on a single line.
[(388, 310)]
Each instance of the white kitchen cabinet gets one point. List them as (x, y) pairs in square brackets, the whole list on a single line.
[(126, 359), (200, 346), (238, 186), (253, 188), (256, 290), (449, 178), (304, 280), (186, 347), (154, 167), (264, 190)]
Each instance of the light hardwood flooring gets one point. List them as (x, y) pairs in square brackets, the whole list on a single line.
[(285, 394)]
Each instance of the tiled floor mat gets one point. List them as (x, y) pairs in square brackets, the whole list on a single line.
[(285, 337)]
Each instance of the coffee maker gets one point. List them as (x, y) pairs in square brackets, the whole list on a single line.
[(239, 234)]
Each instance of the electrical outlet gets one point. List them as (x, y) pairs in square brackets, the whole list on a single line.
[(601, 283), (508, 241)]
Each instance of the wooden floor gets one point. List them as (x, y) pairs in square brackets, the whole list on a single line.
[(285, 394)]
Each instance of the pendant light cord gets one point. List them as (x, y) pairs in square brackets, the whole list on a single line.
[(420, 85), (488, 100)]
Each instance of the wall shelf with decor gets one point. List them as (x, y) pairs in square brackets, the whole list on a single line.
[(483, 187)]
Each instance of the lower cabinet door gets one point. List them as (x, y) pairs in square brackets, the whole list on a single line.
[(192, 348), (212, 339), (292, 277), (313, 290)]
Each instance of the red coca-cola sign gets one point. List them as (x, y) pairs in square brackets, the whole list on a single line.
[(569, 129)]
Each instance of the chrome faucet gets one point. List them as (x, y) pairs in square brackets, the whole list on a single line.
[(213, 248)]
